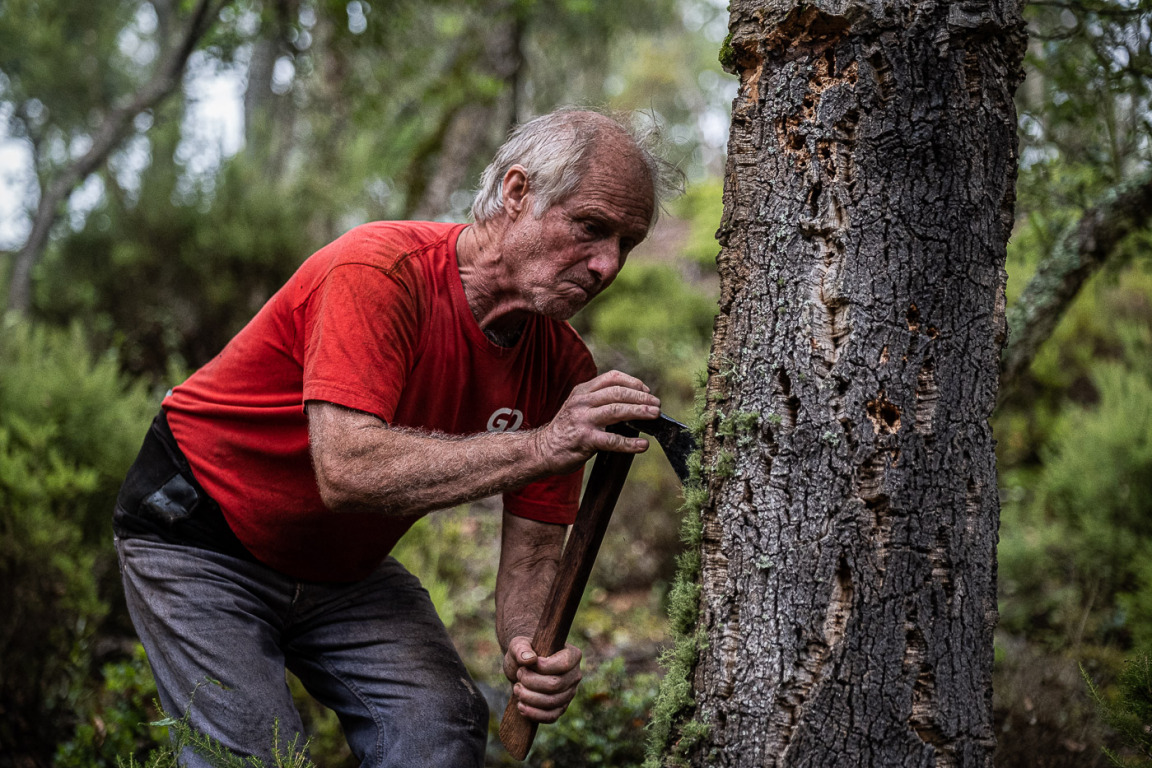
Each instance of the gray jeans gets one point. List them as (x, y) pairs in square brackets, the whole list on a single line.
[(220, 631)]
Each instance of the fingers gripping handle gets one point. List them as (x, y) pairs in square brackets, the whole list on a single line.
[(604, 484)]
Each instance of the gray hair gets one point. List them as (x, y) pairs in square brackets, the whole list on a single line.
[(554, 151)]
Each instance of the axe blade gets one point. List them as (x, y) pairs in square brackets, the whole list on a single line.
[(675, 438)]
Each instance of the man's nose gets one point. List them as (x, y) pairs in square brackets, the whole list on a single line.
[(606, 261)]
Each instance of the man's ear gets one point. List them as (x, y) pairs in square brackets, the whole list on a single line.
[(515, 191)]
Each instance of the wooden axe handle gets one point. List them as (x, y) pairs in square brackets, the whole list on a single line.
[(604, 484)]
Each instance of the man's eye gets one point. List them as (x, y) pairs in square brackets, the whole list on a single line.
[(592, 228)]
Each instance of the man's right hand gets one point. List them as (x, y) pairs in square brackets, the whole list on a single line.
[(578, 430)]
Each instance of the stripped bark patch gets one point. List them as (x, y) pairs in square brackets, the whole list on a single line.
[(927, 396), (839, 605)]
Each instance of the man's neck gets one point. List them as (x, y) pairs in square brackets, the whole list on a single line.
[(478, 260)]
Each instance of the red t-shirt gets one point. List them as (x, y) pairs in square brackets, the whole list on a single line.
[(375, 321)]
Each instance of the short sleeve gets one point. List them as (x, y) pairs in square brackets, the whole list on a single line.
[(551, 500), (556, 499), (362, 336)]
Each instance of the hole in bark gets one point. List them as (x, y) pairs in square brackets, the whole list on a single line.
[(805, 33), (884, 355), (788, 404), (837, 309), (826, 154), (913, 317), (883, 414), (814, 198), (792, 137), (792, 404), (847, 125), (784, 381), (830, 60)]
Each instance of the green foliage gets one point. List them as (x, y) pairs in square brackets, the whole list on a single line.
[(727, 56), (1077, 468), (604, 725), (702, 206), (1128, 710), (203, 263), (670, 735), (69, 427), (653, 324), (59, 59), (290, 754), (1076, 554), (113, 724), (1089, 90), (452, 560)]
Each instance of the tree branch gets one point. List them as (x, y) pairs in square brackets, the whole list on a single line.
[(1078, 254), (472, 122), (111, 132)]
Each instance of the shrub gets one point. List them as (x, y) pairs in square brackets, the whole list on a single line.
[(69, 428), (604, 725), (1128, 711), (1075, 559), (654, 325), (114, 723)]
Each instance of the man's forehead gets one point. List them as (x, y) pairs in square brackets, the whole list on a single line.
[(618, 181)]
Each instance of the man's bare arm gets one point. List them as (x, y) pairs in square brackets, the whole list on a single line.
[(362, 464), (529, 556)]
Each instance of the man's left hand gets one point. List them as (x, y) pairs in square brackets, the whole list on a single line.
[(545, 685)]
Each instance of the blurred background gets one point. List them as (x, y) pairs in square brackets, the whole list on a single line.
[(144, 218)]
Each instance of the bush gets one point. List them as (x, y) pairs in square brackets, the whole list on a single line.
[(604, 725), (114, 725), (1128, 711), (1075, 559), (654, 325), (69, 428)]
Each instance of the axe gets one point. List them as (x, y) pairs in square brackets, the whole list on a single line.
[(604, 484)]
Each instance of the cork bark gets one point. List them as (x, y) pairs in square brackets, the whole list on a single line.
[(849, 555)]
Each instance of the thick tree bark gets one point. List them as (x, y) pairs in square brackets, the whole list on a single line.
[(849, 533), (112, 130), (1078, 255)]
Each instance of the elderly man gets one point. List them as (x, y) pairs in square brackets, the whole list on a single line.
[(406, 367)]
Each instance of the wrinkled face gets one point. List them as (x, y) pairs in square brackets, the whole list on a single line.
[(577, 247)]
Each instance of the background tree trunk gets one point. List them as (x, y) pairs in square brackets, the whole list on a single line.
[(111, 131), (849, 534)]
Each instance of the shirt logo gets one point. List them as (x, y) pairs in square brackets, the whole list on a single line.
[(505, 420)]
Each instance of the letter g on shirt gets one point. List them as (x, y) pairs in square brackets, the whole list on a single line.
[(505, 420)]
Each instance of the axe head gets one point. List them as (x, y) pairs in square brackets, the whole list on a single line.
[(675, 438)]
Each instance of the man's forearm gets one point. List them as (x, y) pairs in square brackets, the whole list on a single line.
[(362, 464), (529, 558)]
